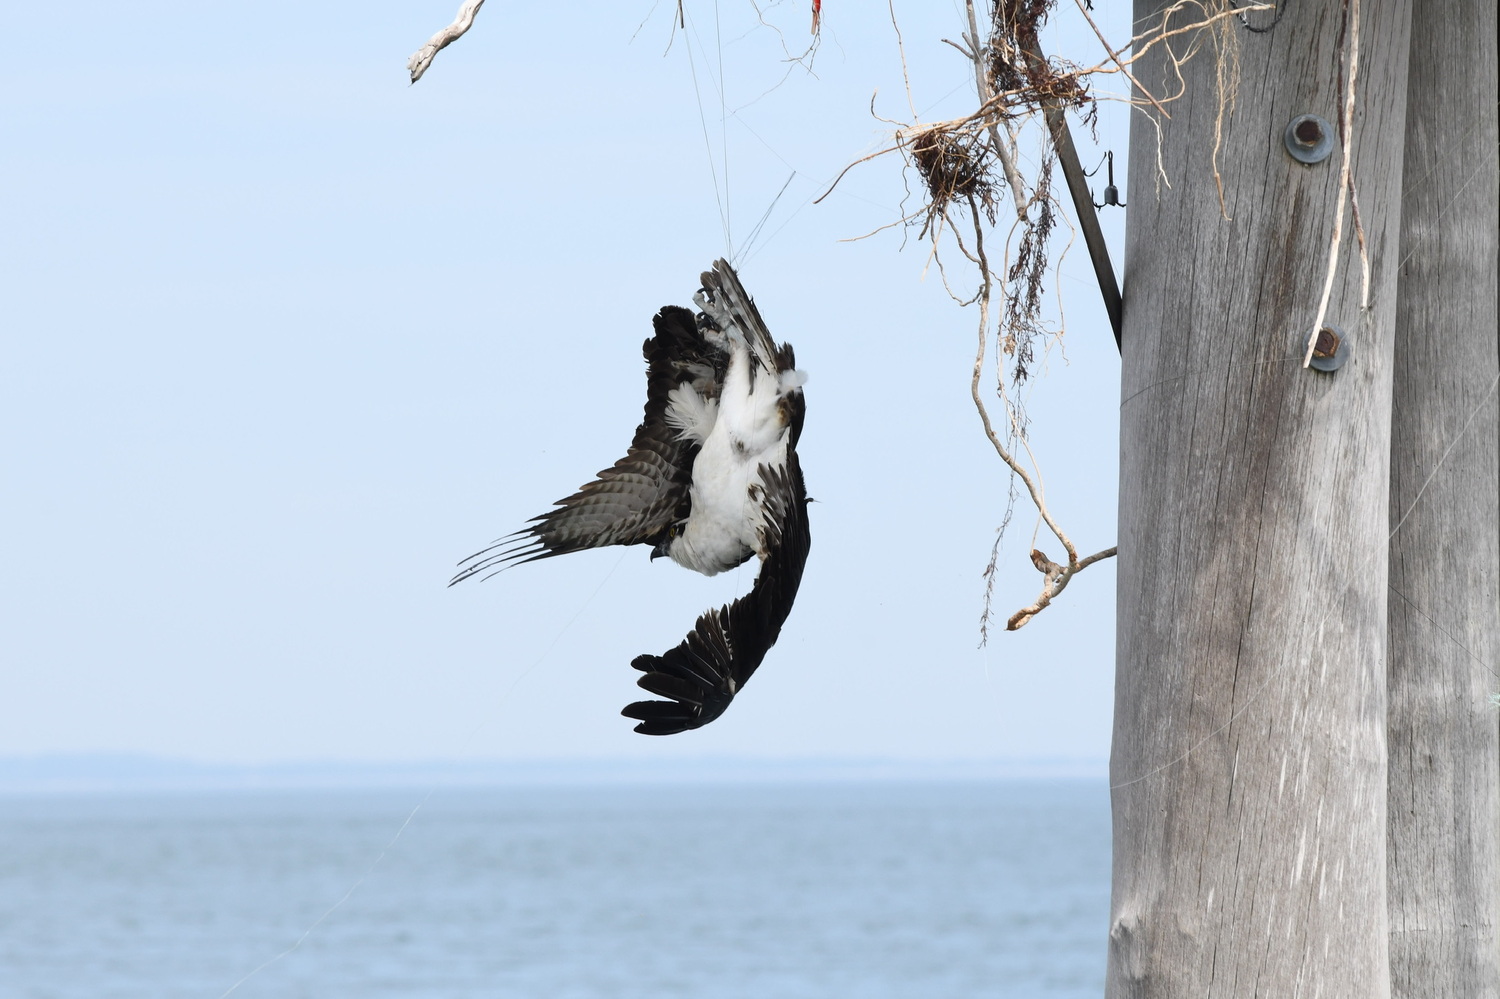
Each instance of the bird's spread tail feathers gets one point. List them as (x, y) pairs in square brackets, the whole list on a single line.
[(731, 309)]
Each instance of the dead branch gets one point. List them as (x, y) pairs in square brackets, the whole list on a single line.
[(422, 58), (1115, 58), (1159, 35), (986, 91), (1057, 577), (1032, 487)]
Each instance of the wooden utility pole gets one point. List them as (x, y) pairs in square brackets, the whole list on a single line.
[(1443, 852), (1249, 769)]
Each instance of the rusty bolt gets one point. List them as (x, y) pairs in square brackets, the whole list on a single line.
[(1308, 138), (1308, 131), (1328, 343), (1331, 349)]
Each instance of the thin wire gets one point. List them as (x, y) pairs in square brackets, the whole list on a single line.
[(723, 132), (755, 232), (1412, 606), (1449, 450), (499, 702), (1276, 672), (707, 142), (722, 195), (344, 898)]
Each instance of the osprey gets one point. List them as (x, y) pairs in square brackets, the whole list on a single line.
[(711, 480)]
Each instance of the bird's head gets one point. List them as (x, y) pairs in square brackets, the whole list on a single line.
[(664, 547)]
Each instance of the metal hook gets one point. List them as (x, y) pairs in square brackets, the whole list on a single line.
[(1111, 192)]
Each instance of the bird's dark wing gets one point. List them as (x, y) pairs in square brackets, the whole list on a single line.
[(635, 500), (701, 676)]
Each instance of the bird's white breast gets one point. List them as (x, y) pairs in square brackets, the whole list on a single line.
[(725, 519)]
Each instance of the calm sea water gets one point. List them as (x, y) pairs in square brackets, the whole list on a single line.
[(836, 891)]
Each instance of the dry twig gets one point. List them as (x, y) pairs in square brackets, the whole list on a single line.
[(1057, 577), (985, 88), (422, 58)]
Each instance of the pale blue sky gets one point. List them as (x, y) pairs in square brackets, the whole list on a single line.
[(285, 338)]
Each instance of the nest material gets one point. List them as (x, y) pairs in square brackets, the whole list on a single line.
[(1021, 324), (954, 165), (955, 159), (959, 165), (1016, 68), (1013, 32)]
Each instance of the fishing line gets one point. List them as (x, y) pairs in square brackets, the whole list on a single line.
[(1278, 670), (1280, 667), (755, 231), (723, 195), (721, 198), (723, 129), (344, 898), (745, 254), (716, 76), (432, 789)]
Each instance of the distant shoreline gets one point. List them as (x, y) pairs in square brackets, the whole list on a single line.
[(118, 773)]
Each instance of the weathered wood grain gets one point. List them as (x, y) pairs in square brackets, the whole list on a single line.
[(1249, 762), (1443, 851)]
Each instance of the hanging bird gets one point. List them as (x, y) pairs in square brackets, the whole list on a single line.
[(711, 479)]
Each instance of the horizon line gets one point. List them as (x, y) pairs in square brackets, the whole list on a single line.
[(84, 771)]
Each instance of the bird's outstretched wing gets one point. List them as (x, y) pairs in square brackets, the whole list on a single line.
[(701, 676), (638, 498)]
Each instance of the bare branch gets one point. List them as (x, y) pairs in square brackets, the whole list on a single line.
[(986, 290), (901, 49), (1057, 579), (851, 166), (1115, 57), (1153, 38), (982, 86), (422, 58)]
